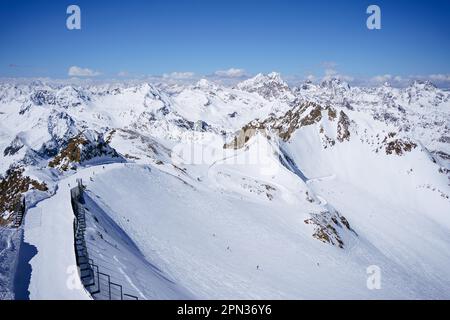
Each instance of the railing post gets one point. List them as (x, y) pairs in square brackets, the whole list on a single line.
[(109, 287)]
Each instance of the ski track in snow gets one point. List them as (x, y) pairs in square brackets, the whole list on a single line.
[(128, 278)]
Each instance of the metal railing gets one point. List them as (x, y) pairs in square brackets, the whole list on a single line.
[(20, 210), (97, 283)]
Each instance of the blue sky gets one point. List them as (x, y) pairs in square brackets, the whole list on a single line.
[(297, 38)]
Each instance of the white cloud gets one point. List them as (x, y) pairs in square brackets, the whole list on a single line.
[(230, 73), (330, 73), (179, 75), (123, 74), (394, 80), (329, 65), (440, 77), (382, 78), (345, 77), (75, 71), (442, 80)]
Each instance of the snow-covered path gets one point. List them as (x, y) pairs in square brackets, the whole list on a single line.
[(49, 228)]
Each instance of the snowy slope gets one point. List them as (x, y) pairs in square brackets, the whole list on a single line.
[(9, 246), (256, 191), (229, 241)]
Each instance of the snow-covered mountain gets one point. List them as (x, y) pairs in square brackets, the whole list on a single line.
[(254, 191)]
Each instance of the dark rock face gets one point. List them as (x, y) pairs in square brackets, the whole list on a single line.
[(82, 148), (343, 127), (42, 97), (12, 186), (327, 227), (399, 147), (14, 147), (301, 115), (269, 87)]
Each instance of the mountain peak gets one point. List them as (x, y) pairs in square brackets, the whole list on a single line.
[(269, 86), (335, 83), (275, 76), (262, 79), (423, 85), (204, 84)]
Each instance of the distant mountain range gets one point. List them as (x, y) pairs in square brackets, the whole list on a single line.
[(260, 190)]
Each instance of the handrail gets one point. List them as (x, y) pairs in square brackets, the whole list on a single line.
[(91, 281), (20, 210)]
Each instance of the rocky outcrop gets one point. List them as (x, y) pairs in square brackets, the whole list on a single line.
[(303, 114), (14, 147), (269, 86), (81, 148), (12, 187), (327, 227), (343, 132), (397, 146)]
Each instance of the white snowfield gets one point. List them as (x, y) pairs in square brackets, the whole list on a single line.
[(49, 227), (352, 203)]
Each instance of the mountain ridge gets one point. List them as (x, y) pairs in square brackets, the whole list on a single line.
[(336, 167)]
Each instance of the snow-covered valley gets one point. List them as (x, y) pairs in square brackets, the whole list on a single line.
[(257, 191)]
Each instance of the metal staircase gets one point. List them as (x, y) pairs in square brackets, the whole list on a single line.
[(19, 213)]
